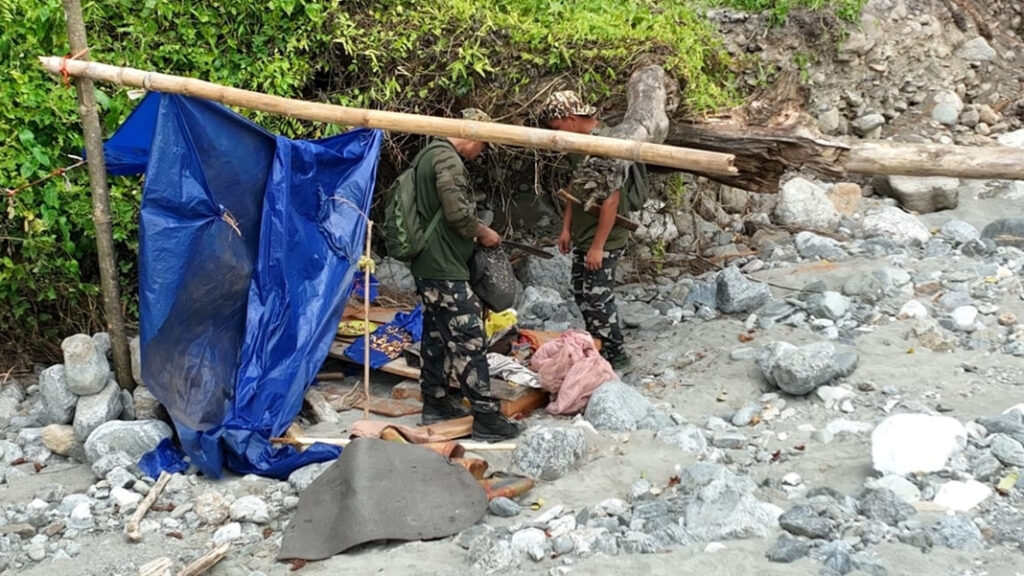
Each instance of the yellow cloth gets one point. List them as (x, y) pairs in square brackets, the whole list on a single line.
[(498, 321)]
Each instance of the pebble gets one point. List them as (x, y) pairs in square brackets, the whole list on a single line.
[(504, 507), (228, 533)]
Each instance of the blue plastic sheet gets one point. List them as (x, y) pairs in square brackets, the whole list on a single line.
[(165, 457), (405, 323), (248, 244)]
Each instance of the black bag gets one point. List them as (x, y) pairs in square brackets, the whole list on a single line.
[(492, 279)]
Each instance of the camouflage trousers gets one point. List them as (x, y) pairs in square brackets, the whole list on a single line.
[(596, 300), (454, 346)]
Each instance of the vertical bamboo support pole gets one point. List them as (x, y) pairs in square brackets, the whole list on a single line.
[(100, 201), (366, 324)]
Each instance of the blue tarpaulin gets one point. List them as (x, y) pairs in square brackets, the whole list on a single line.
[(248, 244)]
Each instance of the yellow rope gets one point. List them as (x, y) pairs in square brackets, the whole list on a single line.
[(365, 262)]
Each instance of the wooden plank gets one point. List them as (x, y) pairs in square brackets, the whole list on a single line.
[(318, 405), (390, 407), (507, 391), (525, 406), (378, 314), (407, 389), (451, 429)]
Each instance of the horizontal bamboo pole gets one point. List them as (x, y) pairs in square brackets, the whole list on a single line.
[(657, 154), (971, 162), (466, 444)]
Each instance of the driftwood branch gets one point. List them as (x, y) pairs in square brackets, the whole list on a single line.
[(206, 561), (131, 529)]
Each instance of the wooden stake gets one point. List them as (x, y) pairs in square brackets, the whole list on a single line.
[(131, 529), (658, 154), (100, 200), (596, 211), (206, 561), (366, 325)]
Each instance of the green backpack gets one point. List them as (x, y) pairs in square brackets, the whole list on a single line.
[(404, 235)]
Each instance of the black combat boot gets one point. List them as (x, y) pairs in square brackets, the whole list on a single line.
[(443, 408), (493, 426)]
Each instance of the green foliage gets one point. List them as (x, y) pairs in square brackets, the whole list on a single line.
[(778, 10), (49, 280)]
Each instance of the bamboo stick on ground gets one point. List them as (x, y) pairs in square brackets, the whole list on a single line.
[(657, 154), (467, 444), (206, 561), (131, 529)]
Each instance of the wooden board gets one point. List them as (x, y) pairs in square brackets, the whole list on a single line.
[(378, 314), (407, 389), (390, 407), (525, 405), (451, 429)]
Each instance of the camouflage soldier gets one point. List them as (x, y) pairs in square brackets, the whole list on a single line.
[(597, 242), (454, 345)]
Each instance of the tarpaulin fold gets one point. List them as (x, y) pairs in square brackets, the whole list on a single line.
[(248, 244)]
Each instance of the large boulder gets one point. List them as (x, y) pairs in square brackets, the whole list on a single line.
[(97, 409), (132, 438), (554, 273), (548, 453), (915, 443), (804, 204), (617, 406), (895, 225), (85, 367), (720, 505), (921, 194), (799, 370), (58, 399)]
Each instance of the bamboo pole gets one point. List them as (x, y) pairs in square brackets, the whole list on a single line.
[(100, 200), (366, 323), (466, 444), (657, 154)]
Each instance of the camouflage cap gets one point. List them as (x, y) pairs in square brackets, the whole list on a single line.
[(564, 103), (476, 114)]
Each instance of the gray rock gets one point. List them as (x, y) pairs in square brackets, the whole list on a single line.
[(81, 518), (976, 49), (548, 453), (866, 287), (687, 438), (802, 520), (787, 549), (868, 565), (745, 415), (729, 440), (1009, 451), (71, 501), (57, 397), (617, 406), (490, 556), (554, 273), (250, 509), (957, 532), (303, 477), (837, 558), (211, 508), (885, 506), (959, 232), (638, 315), (562, 545), (135, 350), (703, 294), (133, 438), (811, 245), (867, 124), (395, 275), (120, 477), (828, 121), (896, 226), (86, 370), (831, 305), (1006, 232), (737, 294), (986, 468), (719, 505), (947, 108), (102, 466), (146, 405), (504, 507), (127, 406), (799, 370), (102, 341), (633, 542), (805, 204), (921, 194), (97, 409), (530, 541)]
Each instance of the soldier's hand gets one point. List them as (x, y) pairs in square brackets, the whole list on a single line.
[(564, 242), (595, 259), (489, 238)]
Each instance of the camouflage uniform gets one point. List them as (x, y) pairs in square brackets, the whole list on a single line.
[(594, 179), (453, 343)]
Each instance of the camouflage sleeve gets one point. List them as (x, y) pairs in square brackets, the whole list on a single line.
[(454, 193), (596, 178)]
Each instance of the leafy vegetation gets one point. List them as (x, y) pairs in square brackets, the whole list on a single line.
[(778, 10)]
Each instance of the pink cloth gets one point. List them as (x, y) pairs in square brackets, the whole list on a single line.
[(571, 368)]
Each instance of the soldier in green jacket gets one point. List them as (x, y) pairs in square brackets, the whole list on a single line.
[(454, 342), (597, 242)]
